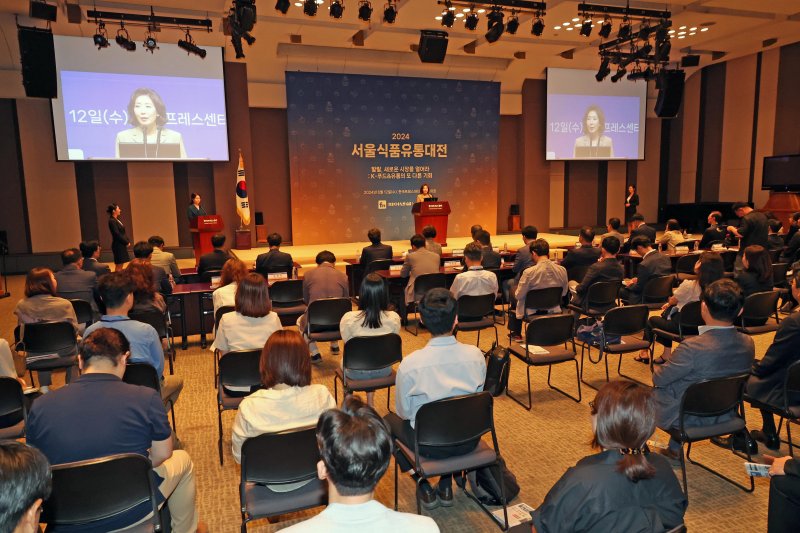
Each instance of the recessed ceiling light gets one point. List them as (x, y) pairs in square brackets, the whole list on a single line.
[(681, 36), (703, 29), (459, 15), (481, 10), (681, 33), (693, 28), (576, 19), (556, 27), (438, 18), (570, 28), (299, 4), (671, 32), (566, 23), (465, 10), (682, 28), (693, 33), (600, 21)]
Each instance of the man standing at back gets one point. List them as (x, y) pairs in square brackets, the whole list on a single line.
[(274, 260), (318, 283), (753, 229), (376, 250), (418, 261), (442, 369)]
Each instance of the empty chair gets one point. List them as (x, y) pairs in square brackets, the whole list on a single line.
[(238, 376), (758, 308), (13, 413), (274, 459), (423, 284), (550, 332), (476, 313), (369, 353), (217, 317), (287, 300)]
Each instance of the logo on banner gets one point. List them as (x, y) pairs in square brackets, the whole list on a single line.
[(381, 204)]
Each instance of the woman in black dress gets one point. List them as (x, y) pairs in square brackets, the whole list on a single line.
[(119, 240), (631, 204)]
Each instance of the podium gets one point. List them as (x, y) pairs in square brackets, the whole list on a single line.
[(433, 214), (203, 228)]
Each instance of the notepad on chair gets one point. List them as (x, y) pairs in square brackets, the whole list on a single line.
[(535, 350)]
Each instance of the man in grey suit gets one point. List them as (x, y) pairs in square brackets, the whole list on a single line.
[(418, 261), (164, 260), (91, 258), (376, 250), (429, 232), (653, 265), (718, 351), (73, 282), (322, 282)]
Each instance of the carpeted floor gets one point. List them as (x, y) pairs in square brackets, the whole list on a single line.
[(538, 445)]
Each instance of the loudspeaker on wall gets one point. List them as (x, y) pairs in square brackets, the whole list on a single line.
[(432, 46), (670, 93), (38, 62)]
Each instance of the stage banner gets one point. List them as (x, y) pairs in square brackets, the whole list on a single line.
[(360, 148)]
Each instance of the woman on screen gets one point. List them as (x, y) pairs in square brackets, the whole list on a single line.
[(593, 143), (148, 138), (424, 192)]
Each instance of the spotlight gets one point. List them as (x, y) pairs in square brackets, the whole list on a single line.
[(150, 43), (336, 9), (471, 21), (644, 51), (283, 6), (605, 28), (187, 43), (644, 31), (624, 30), (364, 10), (663, 48), (604, 70), (586, 27), (242, 18), (538, 25), (513, 23), (310, 8), (639, 74), (495, 16), (448, 18), (389, 13), (249, 38), (101, 37), (124, 40), (618, 75)]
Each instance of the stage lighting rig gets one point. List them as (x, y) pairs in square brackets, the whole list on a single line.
[(605, 28), (586, 26), (187, 43), (364, 10), (389, 13), (336, 8), (242, 19), (283, 6), (618, 74), (513, 23), (150, 43), (310, 8), (101, 36), (471, 20), (624, 30), (124, 40), (538, 25), (604, 70), (494, 23)]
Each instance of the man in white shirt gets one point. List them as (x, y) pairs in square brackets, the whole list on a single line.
[(542, 275), (474, 281), (355, 446), (442, 369)]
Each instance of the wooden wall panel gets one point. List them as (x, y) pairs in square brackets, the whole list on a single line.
[(691, 122), (787, 121), (507, 167), (767, 108), (557, 192), (270, 138), (581, 178), (647, 172), (535, 175), (153, 207), (737, 133), (712, 105), (616, 188), (13, 215)]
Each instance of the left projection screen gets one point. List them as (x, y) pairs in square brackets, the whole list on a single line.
[(132, 106)]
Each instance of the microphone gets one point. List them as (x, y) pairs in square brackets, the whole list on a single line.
[(144, 139)]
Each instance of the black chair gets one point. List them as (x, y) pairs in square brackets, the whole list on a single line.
[(217, 317), (600, 298), (775, 254), (236, 369), (13, 413), (689, 243), (160, 322), (83, 311), (689, 320), (450, 422), (756, 312), (712, 398), (279, 458), (577, 273), (657, 291), (501, 295), (728, 258), (48, 346), (323, 317), (549, 331), (422, 284), (623, 322), (208, 274), (788, 411), (540, 300), (684, 268), (278, 269), (145, 375), (779, 279), (378, 264), (287, 300), (369, 353), (96, 489), (476, 313)]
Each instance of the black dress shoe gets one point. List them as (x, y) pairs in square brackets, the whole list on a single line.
[(427, 496), (770, 440), (445, 496), (738, 443)]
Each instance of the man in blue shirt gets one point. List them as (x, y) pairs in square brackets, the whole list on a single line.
[(99, 415), (442, 369), (116, 291)]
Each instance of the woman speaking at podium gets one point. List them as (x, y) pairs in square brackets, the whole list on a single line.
[(195, 209), (424, 192)]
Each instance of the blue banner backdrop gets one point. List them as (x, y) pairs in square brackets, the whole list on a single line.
[(360, 147)]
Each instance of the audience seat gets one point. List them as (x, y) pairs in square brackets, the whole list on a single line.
[(83, 311), (47, 346), (13, 413), (217, 317), (323, 318), (145, 375), (236, 369), (287, 300), (758, 308), (788, 412), (476, 313), (423, 284), (161, 323), (369, 353), (600, 298)]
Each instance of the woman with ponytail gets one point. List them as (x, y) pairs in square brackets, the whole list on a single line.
[(624, 487)]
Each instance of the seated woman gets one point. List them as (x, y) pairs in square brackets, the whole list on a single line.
[(709, 268), (233, 271), (288, 399), (757, 273), (624, 487), (249, 327), (372, 318), (42, 305), (672, 235), (145, 296)]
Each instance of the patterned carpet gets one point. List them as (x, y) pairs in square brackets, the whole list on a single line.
[(538, 445)]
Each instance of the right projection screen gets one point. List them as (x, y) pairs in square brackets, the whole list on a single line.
[(587, 119)]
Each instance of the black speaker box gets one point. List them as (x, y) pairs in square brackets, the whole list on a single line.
[(38, 62), (690, 61), (432, 46), (43, 10), (513, 210), (670, 93), (259, 218)]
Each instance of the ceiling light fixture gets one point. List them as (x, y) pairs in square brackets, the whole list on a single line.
[(586, 27), (101, 36), (365, 10), (282, 6), (150, 43), (538, 25), (605, 28), (389, 13), (513, 23), (336, 8), (124, 40), (495, 24), (471, 21), (624, 29), (448, 15), (604, 70), (310, 8), (618, 74), (187, 43)]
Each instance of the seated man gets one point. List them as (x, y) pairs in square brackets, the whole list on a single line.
[(274, 260), (26, 481), (474, 281), (765, 385), (522, 261), (322, 282), (215, 259), (418, 261), (73, 282), (164, 260), (474, 231), (789, 255), (143, 251), (491, 259), (784, 494), (376, 250), (355, 446), (542, 275), (99, 415), (429, 232), (714, 233), (583, 255), (640, 229), (91, 258), (613, 229), (652, 265), (116, 291), (607, 268), (718, 351), (442, 369)]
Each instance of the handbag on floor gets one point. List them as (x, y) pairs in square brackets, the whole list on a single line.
[(485, 484)]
